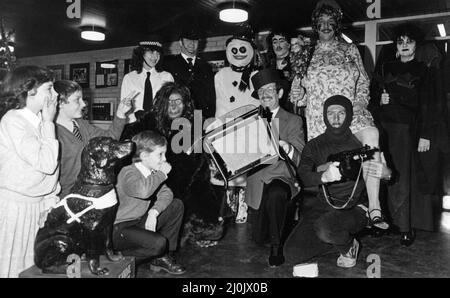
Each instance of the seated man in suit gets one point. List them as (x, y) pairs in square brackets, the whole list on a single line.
[(270, 189), (194, 72)]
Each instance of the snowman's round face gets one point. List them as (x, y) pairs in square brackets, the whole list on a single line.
[(239, 52)]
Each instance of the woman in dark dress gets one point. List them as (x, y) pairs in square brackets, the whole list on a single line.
[(407, 100), (172, 116)]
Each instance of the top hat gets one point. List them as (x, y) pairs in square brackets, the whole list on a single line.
[(264, 77), (245, 34)]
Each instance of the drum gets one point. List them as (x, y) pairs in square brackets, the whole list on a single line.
[(241, 143)]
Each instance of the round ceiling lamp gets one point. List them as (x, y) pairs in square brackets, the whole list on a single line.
[(233, 12), (92, 33)]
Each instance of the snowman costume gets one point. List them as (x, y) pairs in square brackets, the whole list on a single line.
[(233, 83)]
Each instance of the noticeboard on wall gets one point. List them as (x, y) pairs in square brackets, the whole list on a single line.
[(106, 74), (102, 110)]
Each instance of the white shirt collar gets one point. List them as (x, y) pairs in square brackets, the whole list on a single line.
[(185, 57), (144, 72), (31, 117), (143, 169), (274, 112)]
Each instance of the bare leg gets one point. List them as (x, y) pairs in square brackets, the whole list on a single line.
[(369, 136)]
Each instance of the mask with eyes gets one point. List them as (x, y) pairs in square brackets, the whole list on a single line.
[(239, 52)]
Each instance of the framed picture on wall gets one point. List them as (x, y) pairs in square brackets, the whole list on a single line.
[(80, 74), (127, 67), (216, 65), (102, 110), (58, 71), (217, 59), (106, 73)]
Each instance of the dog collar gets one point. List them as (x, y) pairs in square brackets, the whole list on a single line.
[(107, 200)]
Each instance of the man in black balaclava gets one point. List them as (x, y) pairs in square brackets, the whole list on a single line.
[(322, 226)]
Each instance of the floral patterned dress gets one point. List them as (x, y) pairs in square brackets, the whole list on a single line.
[(335, 69)]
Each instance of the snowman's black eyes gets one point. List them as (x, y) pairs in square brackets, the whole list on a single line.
[(243, 50), (234, 51)]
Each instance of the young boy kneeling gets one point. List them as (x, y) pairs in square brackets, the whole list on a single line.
[(148, 220)]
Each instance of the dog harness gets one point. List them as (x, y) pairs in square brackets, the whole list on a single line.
[(107, 200)]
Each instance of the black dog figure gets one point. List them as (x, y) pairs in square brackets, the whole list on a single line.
[(83, 226)]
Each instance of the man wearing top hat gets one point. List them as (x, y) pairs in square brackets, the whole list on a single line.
[(270, 189), (147, 76), (190, 70)]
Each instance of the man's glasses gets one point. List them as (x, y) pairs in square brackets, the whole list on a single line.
[(268, 91)]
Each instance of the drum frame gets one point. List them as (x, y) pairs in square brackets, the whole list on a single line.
[(230, 127)]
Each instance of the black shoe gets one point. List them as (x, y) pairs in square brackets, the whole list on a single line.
[(407, 238), (276, 257), (167, 264)]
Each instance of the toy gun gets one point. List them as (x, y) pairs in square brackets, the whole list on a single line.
[(350, 162)]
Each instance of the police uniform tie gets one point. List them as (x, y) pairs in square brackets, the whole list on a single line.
[(191, 65), (76, 131), (148, 94)]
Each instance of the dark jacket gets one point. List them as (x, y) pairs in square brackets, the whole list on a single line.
[(315, 153), (200, 82), (332, 141), (416, 97)]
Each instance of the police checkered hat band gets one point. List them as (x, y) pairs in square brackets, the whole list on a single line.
[(150, 43)]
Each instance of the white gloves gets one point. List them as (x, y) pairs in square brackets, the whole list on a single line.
[(150, 223), (332, 173)]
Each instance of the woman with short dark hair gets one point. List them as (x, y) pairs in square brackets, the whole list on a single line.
[(408, 98)]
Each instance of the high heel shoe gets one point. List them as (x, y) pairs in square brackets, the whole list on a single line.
[(407, 238), (377, 221)]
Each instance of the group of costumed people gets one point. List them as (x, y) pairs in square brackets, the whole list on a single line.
[(407, 120), (407, 117)]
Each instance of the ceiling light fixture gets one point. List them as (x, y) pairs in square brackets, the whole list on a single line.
[(233, 12), (441, 29), (92, 33)]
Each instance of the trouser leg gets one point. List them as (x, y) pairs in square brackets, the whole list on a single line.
[(399, 146), (277, 195), (132, 239), (337, 227), (302, 244), (169, 223)]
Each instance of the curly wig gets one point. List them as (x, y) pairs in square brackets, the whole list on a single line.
[(161, 106), (330, 10)]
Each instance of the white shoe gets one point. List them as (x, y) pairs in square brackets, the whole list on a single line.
[(349, 259)]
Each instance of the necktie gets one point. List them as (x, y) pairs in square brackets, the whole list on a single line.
[(76, 131), (148, 94), (191, 66)]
